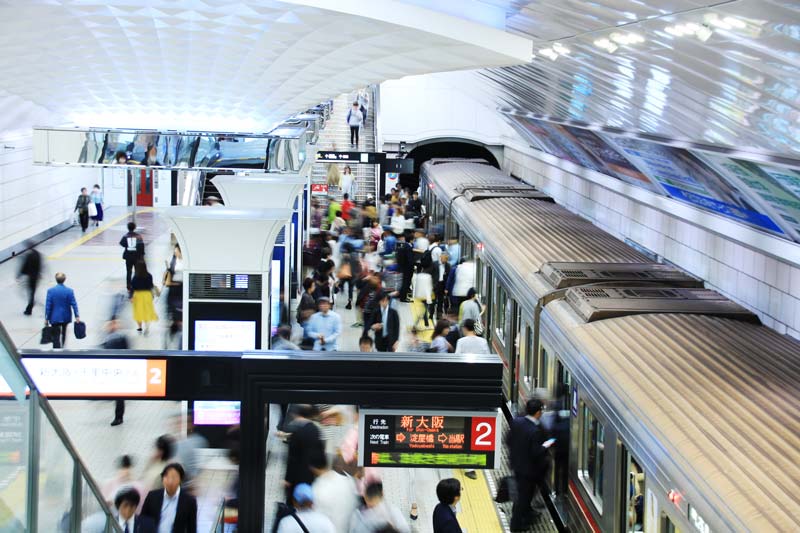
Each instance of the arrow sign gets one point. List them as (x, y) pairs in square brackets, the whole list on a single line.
[(400, 437)]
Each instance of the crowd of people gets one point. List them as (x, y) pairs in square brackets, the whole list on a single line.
[(372, 258)]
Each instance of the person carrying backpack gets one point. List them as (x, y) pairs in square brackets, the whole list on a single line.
[(377, 515)]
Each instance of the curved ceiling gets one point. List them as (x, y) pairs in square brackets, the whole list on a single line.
[(224, 65), (726, 73)]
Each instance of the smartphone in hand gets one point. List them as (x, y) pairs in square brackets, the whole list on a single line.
[(548, 443)]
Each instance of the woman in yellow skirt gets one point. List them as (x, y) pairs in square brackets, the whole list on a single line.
[(143, 290)]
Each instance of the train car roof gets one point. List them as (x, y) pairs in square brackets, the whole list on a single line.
[(447, 174), (720, 397)]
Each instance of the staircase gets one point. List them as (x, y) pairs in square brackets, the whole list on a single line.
[(336, 136)]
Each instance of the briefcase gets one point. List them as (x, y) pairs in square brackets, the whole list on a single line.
[(507, 490), (80, 330), (47, 335)]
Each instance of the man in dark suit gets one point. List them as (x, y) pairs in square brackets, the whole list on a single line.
[(58, 308), (444, 515), (404, 256), (126, 502), (528, 447), (133, 251), (172, 510), (32, 269), (385, 322)]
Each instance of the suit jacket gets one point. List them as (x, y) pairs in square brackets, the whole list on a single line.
[(305, 444), (444, 520), (528, 456), (393, 327), (185, 515), (132, 255), (59, 305), (440, 286), (144, 524)]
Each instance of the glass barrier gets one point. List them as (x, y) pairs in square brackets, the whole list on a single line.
[(44, 484)]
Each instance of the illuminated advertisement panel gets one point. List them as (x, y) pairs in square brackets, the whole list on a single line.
[(428, 439)]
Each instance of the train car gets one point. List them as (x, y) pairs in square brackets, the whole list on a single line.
[(682, 409)]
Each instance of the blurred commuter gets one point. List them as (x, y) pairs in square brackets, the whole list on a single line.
[(439, 342), (404, 258), (463, 279), (414, 207), (306, 518), (58, 308), (347, 206), (355, 119), (441, 271), (163, 452), (121, 158), (348, 183), (151, 157), (423, 290), (173, 280), (470, 343), (143, 290), (367, 300), (335, 494), (97, 199), (32, 270), (366, 344), (471, 308), (123, 479), (317, 212), (325, 327), (305, 444), (116, 340), (528, 449), (82, 208), (421, 245), (173, 338), (306, 307), (385, 323), (333, 207), (398, 222), (377, 514), (448, 491), (173, 510), (186, 449), (127, 501), (388, 243), (455, 332), (339, 223), (133, 251), (454, 251), (334, 177), (283, 339)]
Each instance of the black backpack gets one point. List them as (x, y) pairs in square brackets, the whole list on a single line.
[(427, 259)]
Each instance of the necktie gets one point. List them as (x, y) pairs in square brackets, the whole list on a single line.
[(126, 528)]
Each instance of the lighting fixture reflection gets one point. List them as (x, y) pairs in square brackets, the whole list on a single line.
[(549, 53), (701, 31), (606, 44), (560, 49), (726, 23)]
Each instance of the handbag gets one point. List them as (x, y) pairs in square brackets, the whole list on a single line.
[(79, 328), (92, 209), (47, 335), (479, 322)]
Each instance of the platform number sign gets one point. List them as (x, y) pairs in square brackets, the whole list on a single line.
[(428, 439)]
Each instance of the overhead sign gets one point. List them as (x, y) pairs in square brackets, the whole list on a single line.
[(69, 378), (428, 439), (319, 189), (399, 166), (368, 158)]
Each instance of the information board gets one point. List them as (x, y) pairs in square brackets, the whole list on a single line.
[(428, 439), (367, 158), (96, 377)]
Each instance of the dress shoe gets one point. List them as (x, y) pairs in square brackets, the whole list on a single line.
[(116, 422)]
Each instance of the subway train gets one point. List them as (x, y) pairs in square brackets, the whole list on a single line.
[(682, 409)]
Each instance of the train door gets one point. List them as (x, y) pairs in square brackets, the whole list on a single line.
[(632, 490), (144, 187), (562, 399)]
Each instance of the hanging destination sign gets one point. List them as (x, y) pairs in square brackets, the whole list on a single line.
[(428, 439)]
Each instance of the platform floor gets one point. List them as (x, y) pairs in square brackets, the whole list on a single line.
[(96, 271)]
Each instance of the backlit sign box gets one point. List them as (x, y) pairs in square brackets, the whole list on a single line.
[(428, 439), (96, 377)]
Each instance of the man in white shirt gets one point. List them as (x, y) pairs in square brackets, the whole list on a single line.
[(470, 342), (173, 510), (335, 494), (126, 502), (314, 521)]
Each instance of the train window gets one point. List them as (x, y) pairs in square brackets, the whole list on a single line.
[(667, 526), (500, 313), (543, 369), (525, 363), (633, 489), (592, 456)]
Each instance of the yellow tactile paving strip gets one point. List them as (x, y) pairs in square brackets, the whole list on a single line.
[(95, 232), (478, 512)]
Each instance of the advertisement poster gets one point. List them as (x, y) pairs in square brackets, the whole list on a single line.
[(532, 130), (781, 204), (688, 179), (569, 144), (614, 162), (225, 335)]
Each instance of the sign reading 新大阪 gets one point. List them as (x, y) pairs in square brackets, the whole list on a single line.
[(95, 377), (428, 439)]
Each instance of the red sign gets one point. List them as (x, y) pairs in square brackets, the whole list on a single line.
[(319, 189), (483, 433)]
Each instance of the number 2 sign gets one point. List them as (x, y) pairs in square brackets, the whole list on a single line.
[(483, 433)]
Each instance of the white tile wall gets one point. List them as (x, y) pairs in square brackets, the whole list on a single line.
[(766, 282), (33, 198)]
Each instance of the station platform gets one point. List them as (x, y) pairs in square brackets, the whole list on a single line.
[(96, 271)]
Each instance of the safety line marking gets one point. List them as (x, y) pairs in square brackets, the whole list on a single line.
[(94, 233)]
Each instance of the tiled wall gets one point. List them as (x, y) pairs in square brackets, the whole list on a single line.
[(759, 271), (34, 199)]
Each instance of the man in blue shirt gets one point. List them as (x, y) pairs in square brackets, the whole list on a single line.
[(324, 327), (59, 305)]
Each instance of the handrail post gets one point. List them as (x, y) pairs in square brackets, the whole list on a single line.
[(34, 438)]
